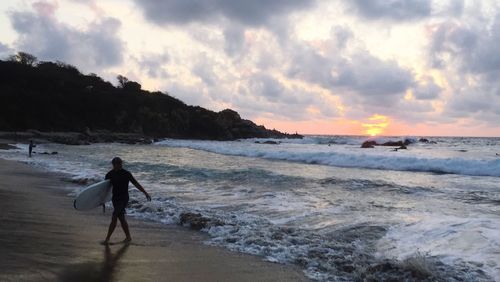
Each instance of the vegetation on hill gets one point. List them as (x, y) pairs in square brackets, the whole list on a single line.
[(55, 96)]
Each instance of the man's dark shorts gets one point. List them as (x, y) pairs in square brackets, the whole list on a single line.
[(119, 207)]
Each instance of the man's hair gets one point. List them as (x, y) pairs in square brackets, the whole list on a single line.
[(116, 161)]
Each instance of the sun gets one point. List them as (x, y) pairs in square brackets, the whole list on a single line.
[(376, 125)]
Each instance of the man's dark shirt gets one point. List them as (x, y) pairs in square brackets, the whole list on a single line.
[(120, 179)]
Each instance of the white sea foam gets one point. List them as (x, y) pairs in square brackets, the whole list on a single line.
[(348, 157), (446, 236), (76, 170)]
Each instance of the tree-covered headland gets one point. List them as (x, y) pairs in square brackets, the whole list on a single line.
[(55, 96)]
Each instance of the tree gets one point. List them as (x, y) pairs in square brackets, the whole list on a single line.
[(126, 84), (24, 58), (132, 86), (122, 81)]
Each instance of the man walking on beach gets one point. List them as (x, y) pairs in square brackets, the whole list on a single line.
[(120, 178)]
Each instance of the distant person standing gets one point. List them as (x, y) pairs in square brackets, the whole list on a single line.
[(30, 148), (120, 179)]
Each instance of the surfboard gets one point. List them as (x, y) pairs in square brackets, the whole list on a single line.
[(93, 196)]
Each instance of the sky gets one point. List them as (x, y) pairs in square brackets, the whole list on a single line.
[(357, 67)]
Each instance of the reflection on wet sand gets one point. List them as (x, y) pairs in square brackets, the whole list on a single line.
[(94, 271)]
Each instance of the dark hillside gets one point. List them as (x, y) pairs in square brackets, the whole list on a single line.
[(53, 96)]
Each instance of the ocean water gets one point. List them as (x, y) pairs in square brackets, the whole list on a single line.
[(340, 212)]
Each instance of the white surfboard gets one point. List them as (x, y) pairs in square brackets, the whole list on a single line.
[(94, 196)]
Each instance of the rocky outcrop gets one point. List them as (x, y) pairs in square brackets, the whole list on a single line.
[(197, 222), (425, 140), (76, 138), (104, 136), (268, 142), (234, 127), (400, 148), (368, 144), (400, 144), (392, 143)]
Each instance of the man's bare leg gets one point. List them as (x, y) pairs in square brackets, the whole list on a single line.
[(124, 224), (111, 228)]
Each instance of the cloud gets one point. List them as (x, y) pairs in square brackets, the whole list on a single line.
[(266, 86), (234, 39), (190, 94), (427, 89), (398, 10), (364, 83), (233, 17), (309, 65), (221, 84), (372, 77), (352, 70), (45, 9), (205, 71), (251, 13), (5, 51), (153, 64), (452, 39), (467, 53), (455, 7), (469, 104), (474, 48), (342, 35), (40, 33), (265, 95), (361, 76)]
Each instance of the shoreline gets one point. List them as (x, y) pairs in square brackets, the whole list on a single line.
[(88, 137), (43, 238)]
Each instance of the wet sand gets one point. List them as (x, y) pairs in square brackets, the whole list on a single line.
[(43, 238)]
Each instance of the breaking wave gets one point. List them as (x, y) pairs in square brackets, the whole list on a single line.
[(387, 161)]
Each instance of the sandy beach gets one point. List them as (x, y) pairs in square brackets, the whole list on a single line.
[(43, 238)]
